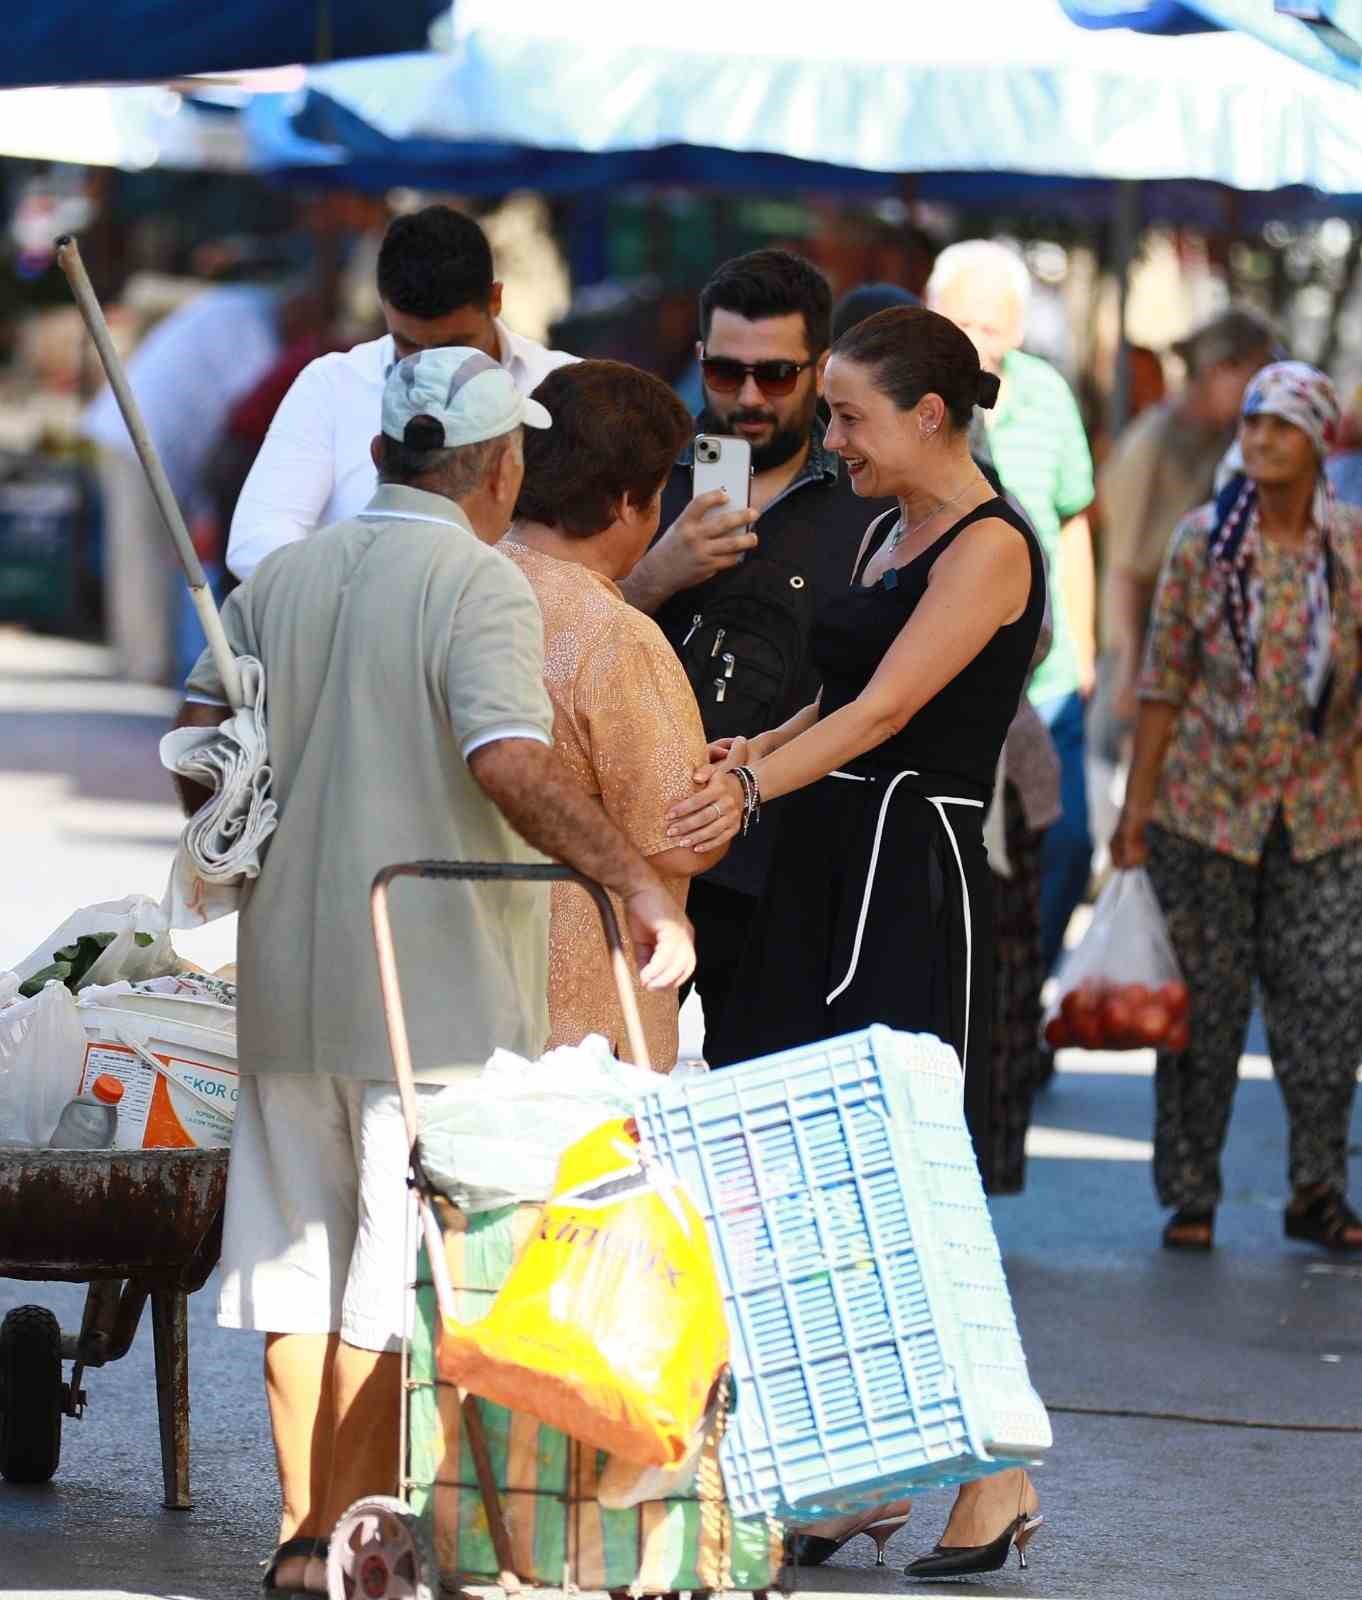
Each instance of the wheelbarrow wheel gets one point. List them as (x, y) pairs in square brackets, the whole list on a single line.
[(381, 1551), (30, 1395)]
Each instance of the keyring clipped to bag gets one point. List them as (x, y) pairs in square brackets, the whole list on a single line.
[(745, 646)]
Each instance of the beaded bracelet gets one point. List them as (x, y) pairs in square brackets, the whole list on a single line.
[(751, 797)]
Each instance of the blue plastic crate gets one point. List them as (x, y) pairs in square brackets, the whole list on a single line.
[(859, 1272)]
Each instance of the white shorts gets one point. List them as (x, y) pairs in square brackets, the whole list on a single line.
[(315, 1237)]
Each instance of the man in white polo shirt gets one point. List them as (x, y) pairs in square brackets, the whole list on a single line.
[(436, 286), (407, 720)]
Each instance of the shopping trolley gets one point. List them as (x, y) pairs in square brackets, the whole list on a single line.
[(485, 1494)]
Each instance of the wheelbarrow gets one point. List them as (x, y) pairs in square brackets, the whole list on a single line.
[(136, 1225)]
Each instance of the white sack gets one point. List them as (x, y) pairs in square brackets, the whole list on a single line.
[(220, 846)]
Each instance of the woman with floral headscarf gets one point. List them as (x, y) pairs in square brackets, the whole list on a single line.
[(1242, 804)]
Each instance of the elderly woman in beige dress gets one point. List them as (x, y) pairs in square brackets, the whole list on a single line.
[(625, 720)]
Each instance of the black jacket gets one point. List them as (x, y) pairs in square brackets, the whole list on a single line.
[(813, 530)]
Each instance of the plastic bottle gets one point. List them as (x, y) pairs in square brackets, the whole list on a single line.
[(90, 1121)]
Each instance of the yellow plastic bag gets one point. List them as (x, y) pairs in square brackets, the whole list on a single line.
[(610, 1326)]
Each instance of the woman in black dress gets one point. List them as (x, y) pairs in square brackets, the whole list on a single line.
[(879, 907)]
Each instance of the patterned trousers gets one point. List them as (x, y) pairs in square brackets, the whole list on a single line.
[(1295, 927), (1020, 1063)]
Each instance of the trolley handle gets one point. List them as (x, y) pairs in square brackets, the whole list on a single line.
[(484, 872), (399, 1043)]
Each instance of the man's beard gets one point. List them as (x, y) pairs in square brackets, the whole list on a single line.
[(783, 445)]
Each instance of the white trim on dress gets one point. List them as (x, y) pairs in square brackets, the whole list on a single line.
[(869, 880), (938, 803)]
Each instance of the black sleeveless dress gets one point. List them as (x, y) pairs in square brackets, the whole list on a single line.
[(879, 906)]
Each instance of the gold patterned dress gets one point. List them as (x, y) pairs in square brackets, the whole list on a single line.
[(627, 727)]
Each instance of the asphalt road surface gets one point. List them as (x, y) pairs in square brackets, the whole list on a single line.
[(1260, 1342)]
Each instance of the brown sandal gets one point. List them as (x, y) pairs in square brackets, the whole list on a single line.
[(1190, 1230), (1325, 1219)]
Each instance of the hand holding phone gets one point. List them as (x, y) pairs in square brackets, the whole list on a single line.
[(714, 532), (722, 462)]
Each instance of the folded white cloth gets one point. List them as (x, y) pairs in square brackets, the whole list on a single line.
[(221, 843)]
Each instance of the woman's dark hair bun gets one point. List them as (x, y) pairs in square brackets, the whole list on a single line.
[(989, 385), (911, 352)]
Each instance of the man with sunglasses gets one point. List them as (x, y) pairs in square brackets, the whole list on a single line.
[(734, 589)]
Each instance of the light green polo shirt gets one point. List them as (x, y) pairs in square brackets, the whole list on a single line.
[(392, 644), (1041, 454)]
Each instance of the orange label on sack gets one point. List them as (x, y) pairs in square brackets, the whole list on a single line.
[(156, 1114)]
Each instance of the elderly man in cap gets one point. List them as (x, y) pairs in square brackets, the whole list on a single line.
[(407, 718)]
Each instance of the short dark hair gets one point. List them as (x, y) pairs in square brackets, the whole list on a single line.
[(771, 283), (616, 434), (1238, 334), (864, 301), (911, 352), (434, 261)]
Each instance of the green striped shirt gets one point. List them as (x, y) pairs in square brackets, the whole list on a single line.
[(1041, 453)]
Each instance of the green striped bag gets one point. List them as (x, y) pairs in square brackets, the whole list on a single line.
[(560, 1535)]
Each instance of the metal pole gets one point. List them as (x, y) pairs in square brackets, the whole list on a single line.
[(1125, 237), (68, 258)]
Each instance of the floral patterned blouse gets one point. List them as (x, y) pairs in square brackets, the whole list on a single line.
[(627, 727), (1239, 755)]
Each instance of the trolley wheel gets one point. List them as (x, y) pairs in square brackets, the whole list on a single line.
[(381, 1551), (30, 1395)]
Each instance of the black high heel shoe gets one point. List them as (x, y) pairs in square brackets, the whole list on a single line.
[(960, 1562), (813, 1549)]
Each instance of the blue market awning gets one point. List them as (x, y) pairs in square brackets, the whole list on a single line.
[(1323, 34), (995, 97), (1143, 16), (128, 41)]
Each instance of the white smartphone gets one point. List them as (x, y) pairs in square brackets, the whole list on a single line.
[(723, 462)]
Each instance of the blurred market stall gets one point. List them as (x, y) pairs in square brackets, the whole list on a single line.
[(131, 128)]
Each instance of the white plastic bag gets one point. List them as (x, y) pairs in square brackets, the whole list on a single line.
[(126, 957), (42, 1049), (496, 1139), (1121, 988)]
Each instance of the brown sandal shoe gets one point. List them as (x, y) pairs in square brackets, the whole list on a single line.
[(1325, 1219), (1190, 1230)]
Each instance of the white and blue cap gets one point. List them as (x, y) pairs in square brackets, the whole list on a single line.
[(472, 397)]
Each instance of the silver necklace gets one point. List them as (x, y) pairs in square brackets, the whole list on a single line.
[(901, 533)]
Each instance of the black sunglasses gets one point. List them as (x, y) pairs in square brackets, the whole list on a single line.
[(726, 376)]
